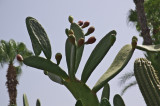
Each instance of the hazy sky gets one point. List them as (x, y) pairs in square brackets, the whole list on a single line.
[(105, 15)]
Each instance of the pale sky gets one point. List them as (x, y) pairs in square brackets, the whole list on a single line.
[(104, 15)]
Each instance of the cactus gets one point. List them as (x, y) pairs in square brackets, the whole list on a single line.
[(25, 101), (74, 50), (148, 81)]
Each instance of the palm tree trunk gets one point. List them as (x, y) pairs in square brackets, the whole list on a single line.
[(143, 22), (12, 84)]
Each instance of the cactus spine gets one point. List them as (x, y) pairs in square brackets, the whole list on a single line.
[(148, 81)]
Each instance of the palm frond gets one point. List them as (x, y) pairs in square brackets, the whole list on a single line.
[(128, 86), (18, 71), (132, 16), (22, 49), (125, 77)]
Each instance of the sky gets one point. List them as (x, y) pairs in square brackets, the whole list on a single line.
[(104, 15)]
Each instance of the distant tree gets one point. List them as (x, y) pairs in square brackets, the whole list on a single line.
[(147, 21), (8, 52)]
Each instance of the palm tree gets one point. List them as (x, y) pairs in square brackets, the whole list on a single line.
[(152, 13), (8, 53)]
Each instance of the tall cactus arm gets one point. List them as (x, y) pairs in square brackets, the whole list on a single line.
[(148, 81)]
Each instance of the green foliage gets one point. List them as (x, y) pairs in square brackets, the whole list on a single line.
[(82, 93), (151, 8), (9, 50)]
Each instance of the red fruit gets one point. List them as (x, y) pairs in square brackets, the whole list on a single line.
[(90, 30), (80, 42), (80, 23), (70, 32), (19, 57), (91, 40), (58, 57), (72, 39), (86, 24)]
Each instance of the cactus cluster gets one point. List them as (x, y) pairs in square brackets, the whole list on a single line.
[(74, 47), (25, 101), (148, 81)]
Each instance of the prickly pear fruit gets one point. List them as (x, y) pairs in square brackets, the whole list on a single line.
[(90, 30), (80, 23), (86, 24), (70, 19), (72, 39), (134, 42), (91, 40), (70, 32), (58, 58), (80, 42), (19, 57)]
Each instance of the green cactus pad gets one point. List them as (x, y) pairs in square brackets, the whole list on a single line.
[(149, 48), (45, 64), (98, 54), (55, 78), (38, 37), (70, 58), (82, 92), (38, 103), (25, 101), (78, 33), (79, 103), (118, 101), (117, 66), (106, 91), (105, 102)]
